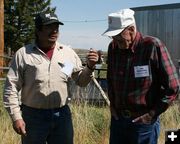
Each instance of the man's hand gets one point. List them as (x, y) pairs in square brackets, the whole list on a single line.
[(145, 119), (92, 58), (19, 127)]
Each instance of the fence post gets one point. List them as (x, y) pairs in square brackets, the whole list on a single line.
[(1, 33)]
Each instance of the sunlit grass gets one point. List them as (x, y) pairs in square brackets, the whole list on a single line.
[(91, 123), (169, 120)]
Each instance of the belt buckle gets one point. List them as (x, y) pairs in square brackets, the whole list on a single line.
[(126, 113)]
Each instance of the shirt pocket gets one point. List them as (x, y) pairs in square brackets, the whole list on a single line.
[(37, 74), (37, 71), (37, 78), (63, 76), (142, 74), (57, 74)]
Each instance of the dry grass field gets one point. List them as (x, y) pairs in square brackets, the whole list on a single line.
[(91, 124)]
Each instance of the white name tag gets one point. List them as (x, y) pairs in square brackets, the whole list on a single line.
[(67, 68), (141, 71)]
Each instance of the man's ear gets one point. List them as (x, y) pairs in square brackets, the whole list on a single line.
[(37, 32), (131, 29)]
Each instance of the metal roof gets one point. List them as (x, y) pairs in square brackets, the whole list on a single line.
[(157, 7)]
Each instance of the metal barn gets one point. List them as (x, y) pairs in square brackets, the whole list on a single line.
[(162, 21)]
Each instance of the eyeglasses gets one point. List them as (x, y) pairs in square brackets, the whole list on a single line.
[(121, 36)]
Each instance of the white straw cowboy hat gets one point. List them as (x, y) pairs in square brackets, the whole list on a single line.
[(118, 21)]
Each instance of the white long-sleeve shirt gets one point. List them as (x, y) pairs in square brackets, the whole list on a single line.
[(42, 83)]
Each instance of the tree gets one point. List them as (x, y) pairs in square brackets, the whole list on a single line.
[(19, 21)]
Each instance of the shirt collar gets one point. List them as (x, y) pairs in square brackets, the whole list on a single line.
[(136, 42), (57, 46)]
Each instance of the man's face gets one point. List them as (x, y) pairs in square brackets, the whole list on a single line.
[(48, 33), (124, 39)]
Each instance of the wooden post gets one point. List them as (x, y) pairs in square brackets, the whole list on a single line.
[(1, 32)]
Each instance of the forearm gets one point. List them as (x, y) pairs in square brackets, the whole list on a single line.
[(169, 82), (83, 77), (11, 101)]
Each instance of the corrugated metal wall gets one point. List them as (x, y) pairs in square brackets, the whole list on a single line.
[(163, 22)]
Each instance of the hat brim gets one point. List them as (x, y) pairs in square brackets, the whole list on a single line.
[(110, 32), (53, 21)]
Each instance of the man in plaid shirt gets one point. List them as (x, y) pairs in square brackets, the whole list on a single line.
[(142, 81)]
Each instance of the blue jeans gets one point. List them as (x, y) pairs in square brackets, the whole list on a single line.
[(124, 131), (51, 126)]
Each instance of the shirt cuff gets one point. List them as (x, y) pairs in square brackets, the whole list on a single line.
[(88, 70), (160, 108), (16, 116), (90, 67)]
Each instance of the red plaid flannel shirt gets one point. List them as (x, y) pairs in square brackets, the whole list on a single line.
[(156, 90)]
